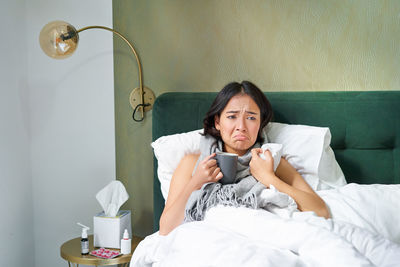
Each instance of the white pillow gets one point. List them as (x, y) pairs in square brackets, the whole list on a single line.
[(305, 147), (169, 150)]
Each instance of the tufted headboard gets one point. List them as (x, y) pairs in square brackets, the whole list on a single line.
[(365, 128)]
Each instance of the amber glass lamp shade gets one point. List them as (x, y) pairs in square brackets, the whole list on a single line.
[(58, 39)]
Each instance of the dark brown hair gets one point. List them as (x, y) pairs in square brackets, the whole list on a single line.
[(230, 90)]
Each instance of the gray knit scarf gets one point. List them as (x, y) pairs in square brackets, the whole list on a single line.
[(244, 192)]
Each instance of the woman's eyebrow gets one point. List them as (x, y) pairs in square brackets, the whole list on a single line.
[(237, 111)]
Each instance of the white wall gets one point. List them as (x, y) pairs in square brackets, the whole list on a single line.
[(72, 123), (16, 224)]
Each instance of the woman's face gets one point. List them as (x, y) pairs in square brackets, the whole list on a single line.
[(239, 124)]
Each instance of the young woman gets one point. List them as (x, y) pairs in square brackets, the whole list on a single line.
[(236, 117)]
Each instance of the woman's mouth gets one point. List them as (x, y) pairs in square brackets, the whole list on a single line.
[(240, 137)]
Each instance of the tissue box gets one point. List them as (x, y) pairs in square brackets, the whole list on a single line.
[(108, 231)]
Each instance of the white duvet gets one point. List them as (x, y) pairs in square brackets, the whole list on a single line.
[(364, 231)]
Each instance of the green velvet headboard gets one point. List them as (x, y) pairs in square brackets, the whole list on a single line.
[(365, 128)]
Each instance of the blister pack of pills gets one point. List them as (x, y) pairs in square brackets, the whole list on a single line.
[(105, 253)]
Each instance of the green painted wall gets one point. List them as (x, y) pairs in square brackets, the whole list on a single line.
[(188, 45)]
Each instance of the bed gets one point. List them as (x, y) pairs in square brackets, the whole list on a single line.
[(364, 137)]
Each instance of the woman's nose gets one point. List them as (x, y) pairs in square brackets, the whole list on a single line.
[(240, 124)]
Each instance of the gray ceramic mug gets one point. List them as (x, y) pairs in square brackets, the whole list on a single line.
[(227, 162)]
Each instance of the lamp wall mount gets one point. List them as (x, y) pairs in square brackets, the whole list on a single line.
[(148, 95), (135, 99)]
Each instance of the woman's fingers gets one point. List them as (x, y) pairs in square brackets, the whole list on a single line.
[(209, 157), (255, 152), (208, 165), (267, 152), (211, 168), (217, 174), (211, 163)]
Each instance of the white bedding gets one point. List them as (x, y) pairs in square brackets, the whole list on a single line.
[(373, 207), (231, 236)]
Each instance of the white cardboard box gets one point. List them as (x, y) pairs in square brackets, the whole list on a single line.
[(108, 231)]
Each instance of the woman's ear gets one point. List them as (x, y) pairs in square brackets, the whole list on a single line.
[(216, 122)]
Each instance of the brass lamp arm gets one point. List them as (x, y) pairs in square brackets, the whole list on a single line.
[(59, 39), (136, 56)]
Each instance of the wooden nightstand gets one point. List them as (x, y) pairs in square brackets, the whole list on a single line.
[(71, 252)]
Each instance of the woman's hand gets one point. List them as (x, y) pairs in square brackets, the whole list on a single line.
[(206, 172), (262, 169)]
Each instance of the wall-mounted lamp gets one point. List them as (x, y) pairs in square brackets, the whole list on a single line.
[(59, 39)]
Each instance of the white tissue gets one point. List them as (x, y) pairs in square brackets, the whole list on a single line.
[(111, 198), (276, 152)]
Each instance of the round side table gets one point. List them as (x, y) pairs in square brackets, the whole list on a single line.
[(71, 252)]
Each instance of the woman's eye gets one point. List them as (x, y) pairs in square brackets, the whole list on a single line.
[(231, 117), (251, 118)]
